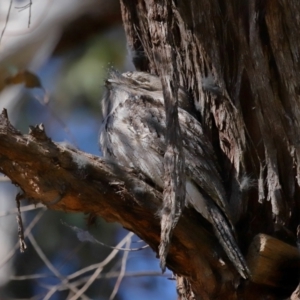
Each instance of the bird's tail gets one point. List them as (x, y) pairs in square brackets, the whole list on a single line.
[(226, 237)]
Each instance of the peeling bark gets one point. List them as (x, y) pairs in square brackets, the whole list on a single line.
[(239, 60)]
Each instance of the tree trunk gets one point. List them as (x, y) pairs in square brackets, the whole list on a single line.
[(239, 62)]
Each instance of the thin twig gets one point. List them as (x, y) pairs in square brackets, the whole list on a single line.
[(85, 236), (27, 231), (20, 224), (22, 209), (109, 275), (101, 266), (31, 277), (6, 21), (87, 285), (21, 8), (29, 17), (51, 267), (122, 272)]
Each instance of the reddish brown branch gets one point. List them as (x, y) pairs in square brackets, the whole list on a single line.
[(64, 178)]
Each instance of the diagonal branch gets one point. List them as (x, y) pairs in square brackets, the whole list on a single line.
[(64, 178)]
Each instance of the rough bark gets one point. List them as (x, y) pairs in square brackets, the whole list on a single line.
[(174, 161), (240, 62)]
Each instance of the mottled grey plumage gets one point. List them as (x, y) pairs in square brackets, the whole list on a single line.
[(133, 134)]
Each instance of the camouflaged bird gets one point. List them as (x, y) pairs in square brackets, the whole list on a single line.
[(133, 134)]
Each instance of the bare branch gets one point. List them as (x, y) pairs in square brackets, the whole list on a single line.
[(67, 179), (27, 231), (122, 271), (51, 267)]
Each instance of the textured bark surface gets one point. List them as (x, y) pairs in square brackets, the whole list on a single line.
[(174, 162), (240, 62)]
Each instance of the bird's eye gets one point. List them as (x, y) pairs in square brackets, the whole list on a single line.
[(142, 79)]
